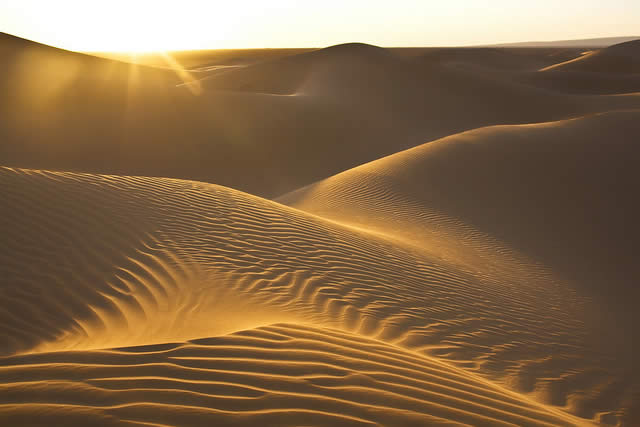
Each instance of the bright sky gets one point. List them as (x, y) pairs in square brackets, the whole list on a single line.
[(139, 25)]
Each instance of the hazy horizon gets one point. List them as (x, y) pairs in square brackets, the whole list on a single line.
[(151, 26)]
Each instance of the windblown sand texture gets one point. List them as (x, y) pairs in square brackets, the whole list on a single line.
[(267, 239)]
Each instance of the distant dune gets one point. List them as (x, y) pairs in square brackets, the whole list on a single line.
[(615, 69), (305, 116), (588, 43), (450, 240), (201, 59), (619, 58)]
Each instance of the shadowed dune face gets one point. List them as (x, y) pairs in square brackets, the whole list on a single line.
[(350, 67), (584, 82), (353, 103), (496, 58)]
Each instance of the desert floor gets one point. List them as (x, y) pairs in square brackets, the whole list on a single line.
[(343, 236)]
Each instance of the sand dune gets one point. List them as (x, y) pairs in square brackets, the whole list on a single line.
[(144, 238), (41, 71), (569, 70), (351, 67), (576, 217), (615, 69), (276, 375), (198, 59), (119, 261), (585, 82), (544, 68), (499, 59), (619, 58), (240, 128), (579, 208), (599, 42)]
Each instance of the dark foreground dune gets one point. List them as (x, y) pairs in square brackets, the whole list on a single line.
[(486, 277)]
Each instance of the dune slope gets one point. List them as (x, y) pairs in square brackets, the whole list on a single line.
[(119, 261), (619, 58), (615, 69), (599, 42), (561, 193), (280, 375)]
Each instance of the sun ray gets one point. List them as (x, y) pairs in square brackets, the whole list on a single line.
[(187, 78)]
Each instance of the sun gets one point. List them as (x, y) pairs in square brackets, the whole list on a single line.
[(124, 26)]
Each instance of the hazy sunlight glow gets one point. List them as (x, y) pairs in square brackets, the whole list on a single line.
[(143, 25), (189, 81)]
